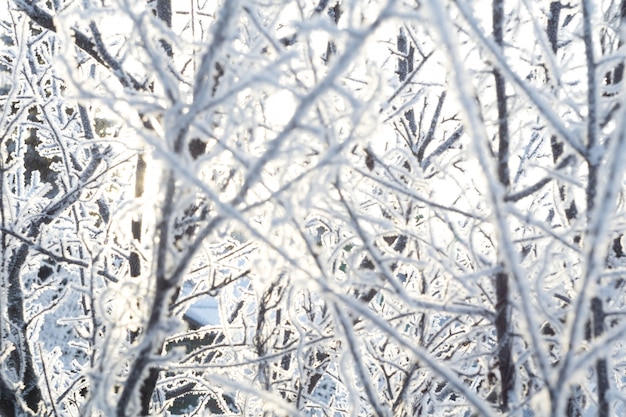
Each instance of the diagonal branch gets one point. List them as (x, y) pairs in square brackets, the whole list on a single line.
[(532, 94), (82, 41)]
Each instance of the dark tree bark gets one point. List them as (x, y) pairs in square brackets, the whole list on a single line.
[(553, 24), (405, 67), (164, 13), (602, 376), (21, 358), (593, 166), (503, 302)]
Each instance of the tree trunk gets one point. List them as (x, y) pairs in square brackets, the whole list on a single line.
[(503, 302)]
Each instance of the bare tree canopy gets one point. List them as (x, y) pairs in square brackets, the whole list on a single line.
[(312, 208)]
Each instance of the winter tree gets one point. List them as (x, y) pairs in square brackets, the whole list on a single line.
[(312, 207)]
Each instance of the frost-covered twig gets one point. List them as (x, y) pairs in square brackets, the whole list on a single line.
[(532, 94)]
